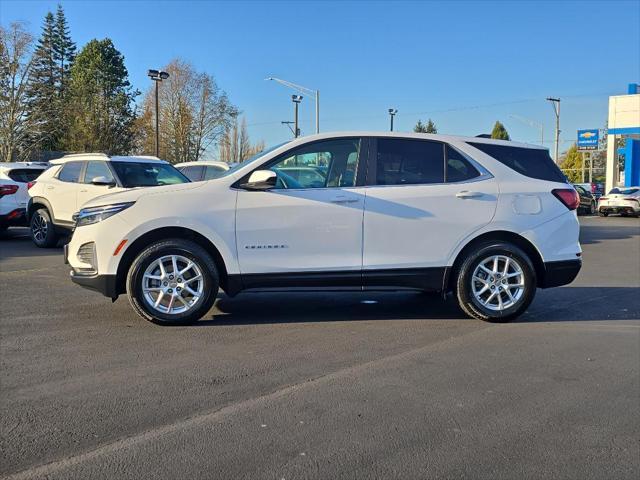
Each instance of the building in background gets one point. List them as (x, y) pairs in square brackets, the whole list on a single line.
[(624, 122)]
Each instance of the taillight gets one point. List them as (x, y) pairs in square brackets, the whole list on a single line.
[(8, 190), (568, 196), (593, 188), (604, 198), (30, 184), (632, 200)]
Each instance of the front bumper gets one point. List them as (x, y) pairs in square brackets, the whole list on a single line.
[(560, 273), (104, 284)]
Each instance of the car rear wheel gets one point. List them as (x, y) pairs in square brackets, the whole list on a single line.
[(42, 230), (173, 282), (603, 213), (496, 282)]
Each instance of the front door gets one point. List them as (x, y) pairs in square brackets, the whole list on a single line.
[(310, 223), (424, 198), (88, 191), (62, 191)]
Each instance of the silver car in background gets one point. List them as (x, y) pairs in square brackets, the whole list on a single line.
[(622, 200)]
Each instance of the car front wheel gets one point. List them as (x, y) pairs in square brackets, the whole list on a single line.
[(42, 229), (496, 282), (173, 282)]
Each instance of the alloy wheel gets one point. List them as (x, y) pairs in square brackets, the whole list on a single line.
[(172, 284), (39, 228), (498, 283)]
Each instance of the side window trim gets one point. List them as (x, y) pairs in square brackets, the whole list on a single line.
[(269, 163)]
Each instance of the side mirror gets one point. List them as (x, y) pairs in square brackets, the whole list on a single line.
[(105, 181), (261, 180)]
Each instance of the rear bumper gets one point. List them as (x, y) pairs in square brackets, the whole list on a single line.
[(17, 217), (104, 284), (560, 273)]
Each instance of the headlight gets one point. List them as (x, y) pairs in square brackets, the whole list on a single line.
[(88, 216)]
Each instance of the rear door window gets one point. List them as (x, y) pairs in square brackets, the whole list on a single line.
[(97, 169), (531, 162), (71, 172), (409, 162)]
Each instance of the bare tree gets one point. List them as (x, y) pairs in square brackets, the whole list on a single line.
[(15, 69), (235, 145), (194, 113)]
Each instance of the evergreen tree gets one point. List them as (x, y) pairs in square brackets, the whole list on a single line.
[(44, 105), (429, 127), (64, 48), (571, 164), (101, 100), (499, 132)]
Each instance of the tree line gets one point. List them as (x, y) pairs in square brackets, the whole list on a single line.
[(56, 99)]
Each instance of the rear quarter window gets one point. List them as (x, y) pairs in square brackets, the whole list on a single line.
[(531, 162), (24, 175)]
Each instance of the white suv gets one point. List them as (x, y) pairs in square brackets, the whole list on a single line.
[(73, 180), (15, 180), (489, 220)]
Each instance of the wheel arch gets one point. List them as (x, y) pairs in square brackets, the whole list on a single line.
[(501, 236), (37, 202), (164, 233)]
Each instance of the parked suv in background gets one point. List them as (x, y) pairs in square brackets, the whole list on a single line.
[(203, 169), (15, 180), (489, 220), (73, 180)]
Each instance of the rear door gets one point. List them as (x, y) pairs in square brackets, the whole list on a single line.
[(423, 198), (62, 191)]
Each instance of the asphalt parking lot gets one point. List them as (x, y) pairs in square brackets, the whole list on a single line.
[(375, 385)]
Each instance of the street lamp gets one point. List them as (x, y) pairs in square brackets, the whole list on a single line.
[(304, 90), (157, 76), (392, 113), (296, 99)]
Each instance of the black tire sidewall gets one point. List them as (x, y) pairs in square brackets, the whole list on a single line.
[(467, 300), (51, 238), (187, 249)]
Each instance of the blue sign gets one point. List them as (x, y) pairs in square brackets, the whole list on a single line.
[(588, 139)]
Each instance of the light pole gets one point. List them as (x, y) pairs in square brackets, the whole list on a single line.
[(157, 76), (304, 90), (555, 102), (392, 113), (296, 99)]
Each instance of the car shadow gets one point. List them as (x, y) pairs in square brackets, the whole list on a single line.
[(590, 234), (567, 304), (16, 242)]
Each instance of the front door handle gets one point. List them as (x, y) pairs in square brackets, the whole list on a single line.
[(343, 199), (50, 187), (468, 194), (83, 191)]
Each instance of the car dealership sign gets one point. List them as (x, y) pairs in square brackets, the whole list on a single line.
[(588, 139)]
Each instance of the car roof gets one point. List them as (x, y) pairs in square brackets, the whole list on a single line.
[(203, 162), (21, 165), (101, 156), (422, 136)]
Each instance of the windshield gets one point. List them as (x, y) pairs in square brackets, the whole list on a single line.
[(251, 159), (147, 174)]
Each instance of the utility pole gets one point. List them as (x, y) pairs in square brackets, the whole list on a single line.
[(392, 113), (157, 76), (303, 90), (555, 102), (296, 99)]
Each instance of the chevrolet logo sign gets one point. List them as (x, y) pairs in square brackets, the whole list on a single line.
[(587, 135)]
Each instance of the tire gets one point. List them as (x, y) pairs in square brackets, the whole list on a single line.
[(592, 209), (518, 260), (42, 229), (149, 261), (603, 213)]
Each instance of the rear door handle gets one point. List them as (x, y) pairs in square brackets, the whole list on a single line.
[(468, 194), (83, 191), (50, 187), (343, 199)]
